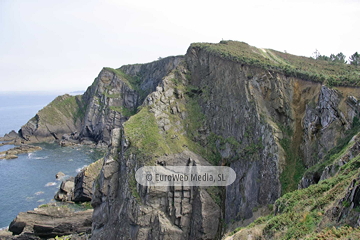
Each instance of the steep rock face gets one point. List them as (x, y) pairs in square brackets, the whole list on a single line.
[(126, 210), (324, 123), (271, 117), (235, 108), (84, 181), (152, 73), (116, 94), (107, 100)]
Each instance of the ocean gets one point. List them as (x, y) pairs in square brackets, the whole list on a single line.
[(29, 181)]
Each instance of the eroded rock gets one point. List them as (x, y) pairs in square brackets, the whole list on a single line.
[(51, 221)]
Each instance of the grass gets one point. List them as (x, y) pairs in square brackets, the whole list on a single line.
[(333, 74), (144, 134), (69, 106)]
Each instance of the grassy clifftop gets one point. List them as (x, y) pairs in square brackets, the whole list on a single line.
[(333, 74), (62, 109)]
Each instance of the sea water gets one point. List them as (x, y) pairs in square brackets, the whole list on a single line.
[(29, 180)]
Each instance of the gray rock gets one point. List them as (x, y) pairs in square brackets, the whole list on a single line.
[(13, 152), (66, 190), (51, 221), (59, 175)]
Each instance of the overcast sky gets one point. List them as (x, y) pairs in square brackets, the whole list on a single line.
[(50, 45)]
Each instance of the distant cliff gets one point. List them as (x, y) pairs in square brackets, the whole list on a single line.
[(268, 115)]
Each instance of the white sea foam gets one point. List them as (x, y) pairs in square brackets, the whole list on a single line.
[(38, 193), (33, 156), (80, 169), (41, 157), (50, 184)]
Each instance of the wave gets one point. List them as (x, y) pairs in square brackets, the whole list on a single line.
[(81, 168), (50, 184), (33, 156), (38, 193)]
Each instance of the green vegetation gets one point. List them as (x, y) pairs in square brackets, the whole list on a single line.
[(300, 212), (331, 73), (69, 106), (126, 112), (63, 238), (133, 188), (355, 59), (294, 167), (144, 134), (133, 82)]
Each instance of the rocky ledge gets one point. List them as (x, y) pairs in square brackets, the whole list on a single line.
[(49, 221), (13, 152)]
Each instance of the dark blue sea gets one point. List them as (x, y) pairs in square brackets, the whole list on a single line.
[(29, 181)]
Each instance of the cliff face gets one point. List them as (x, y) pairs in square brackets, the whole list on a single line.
[(257, 112), (280, 124), (108, 102)]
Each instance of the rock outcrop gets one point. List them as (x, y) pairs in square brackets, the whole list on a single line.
[(23, 148), (50, 221), (66, 190), (79, 188), (62, 116), (84, 181)]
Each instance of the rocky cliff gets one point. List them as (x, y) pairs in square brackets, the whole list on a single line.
[(270, 116)]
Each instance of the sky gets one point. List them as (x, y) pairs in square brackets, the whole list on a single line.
[(48, 45)]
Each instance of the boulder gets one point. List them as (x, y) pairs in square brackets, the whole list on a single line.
[(59, 175), (66, 191)]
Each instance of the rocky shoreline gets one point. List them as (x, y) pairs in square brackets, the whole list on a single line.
[(54, 219)]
